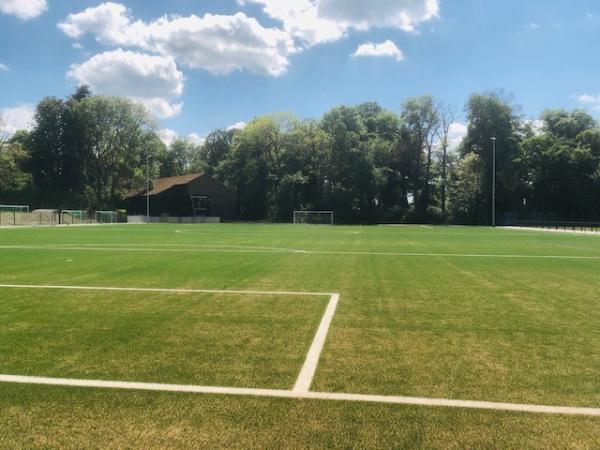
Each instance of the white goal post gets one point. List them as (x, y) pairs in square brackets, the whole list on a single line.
[(313, 217), (73, 216), (14, 208), (107, 217)]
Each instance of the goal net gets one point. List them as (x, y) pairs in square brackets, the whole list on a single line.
[(73, 217), (313, 217), (107, 217), (13, 215)]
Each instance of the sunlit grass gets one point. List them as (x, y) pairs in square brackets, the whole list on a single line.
[(512, 329)]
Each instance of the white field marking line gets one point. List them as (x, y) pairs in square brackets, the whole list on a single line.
[(330, 396), (184, 246), (212, 232), (298, 392), (314, 353), (184, 291), (307, 252)]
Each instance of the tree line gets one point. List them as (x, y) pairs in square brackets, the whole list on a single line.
[(364, 162)]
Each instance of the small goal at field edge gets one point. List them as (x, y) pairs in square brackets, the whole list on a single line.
[(73, 216), (11, 215), (313, 217), (107, 217)]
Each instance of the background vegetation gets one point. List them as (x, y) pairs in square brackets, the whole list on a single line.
[(366, 163)]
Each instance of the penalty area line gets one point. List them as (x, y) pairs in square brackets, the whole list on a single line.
[(314, 353), (328, 396)]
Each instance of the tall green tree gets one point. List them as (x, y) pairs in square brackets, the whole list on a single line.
[(253, 166), (493, 115), (563, 167), (466, 189), (350, 172), (48, 155), (115, 133), (420, 124), (217, 146), (183, 157), (13, 164)]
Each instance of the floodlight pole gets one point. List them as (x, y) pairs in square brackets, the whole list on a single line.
[(493, 182), (147, 186)]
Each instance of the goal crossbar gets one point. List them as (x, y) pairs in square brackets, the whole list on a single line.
[(17, 208)]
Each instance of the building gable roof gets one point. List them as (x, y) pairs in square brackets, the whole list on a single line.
[(164, 184)]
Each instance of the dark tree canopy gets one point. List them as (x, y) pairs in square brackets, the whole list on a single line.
[(366, 163)]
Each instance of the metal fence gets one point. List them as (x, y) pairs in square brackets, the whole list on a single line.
[(581, 227), (18, 218), (50, 217)]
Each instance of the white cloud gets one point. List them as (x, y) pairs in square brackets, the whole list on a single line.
[(169, 136), (300, 18), (403, 14), (219, 44), (153, 80), (161, 108), (109, 22), (384, 49), (3, 67), (23, 9), (318, 21), (16, 118), (222, 44), (237, 126), (456, 134), (195, 138), (591, 101), (537, 125)]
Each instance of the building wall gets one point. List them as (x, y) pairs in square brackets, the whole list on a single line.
[(223, 202), (176, 201)]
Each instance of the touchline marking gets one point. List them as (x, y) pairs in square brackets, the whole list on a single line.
[(184, 291), (295, 251), (314, 353), (331, 396)]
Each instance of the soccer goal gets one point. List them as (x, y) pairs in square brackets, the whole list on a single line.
[(313, 217), (12, 215), (107, 217), (73, 217)]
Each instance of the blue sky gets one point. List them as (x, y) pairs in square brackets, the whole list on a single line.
[(205, 66)]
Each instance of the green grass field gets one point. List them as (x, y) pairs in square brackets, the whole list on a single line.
[(434, 312)]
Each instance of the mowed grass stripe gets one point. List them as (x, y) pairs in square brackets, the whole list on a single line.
[(240, 249)]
